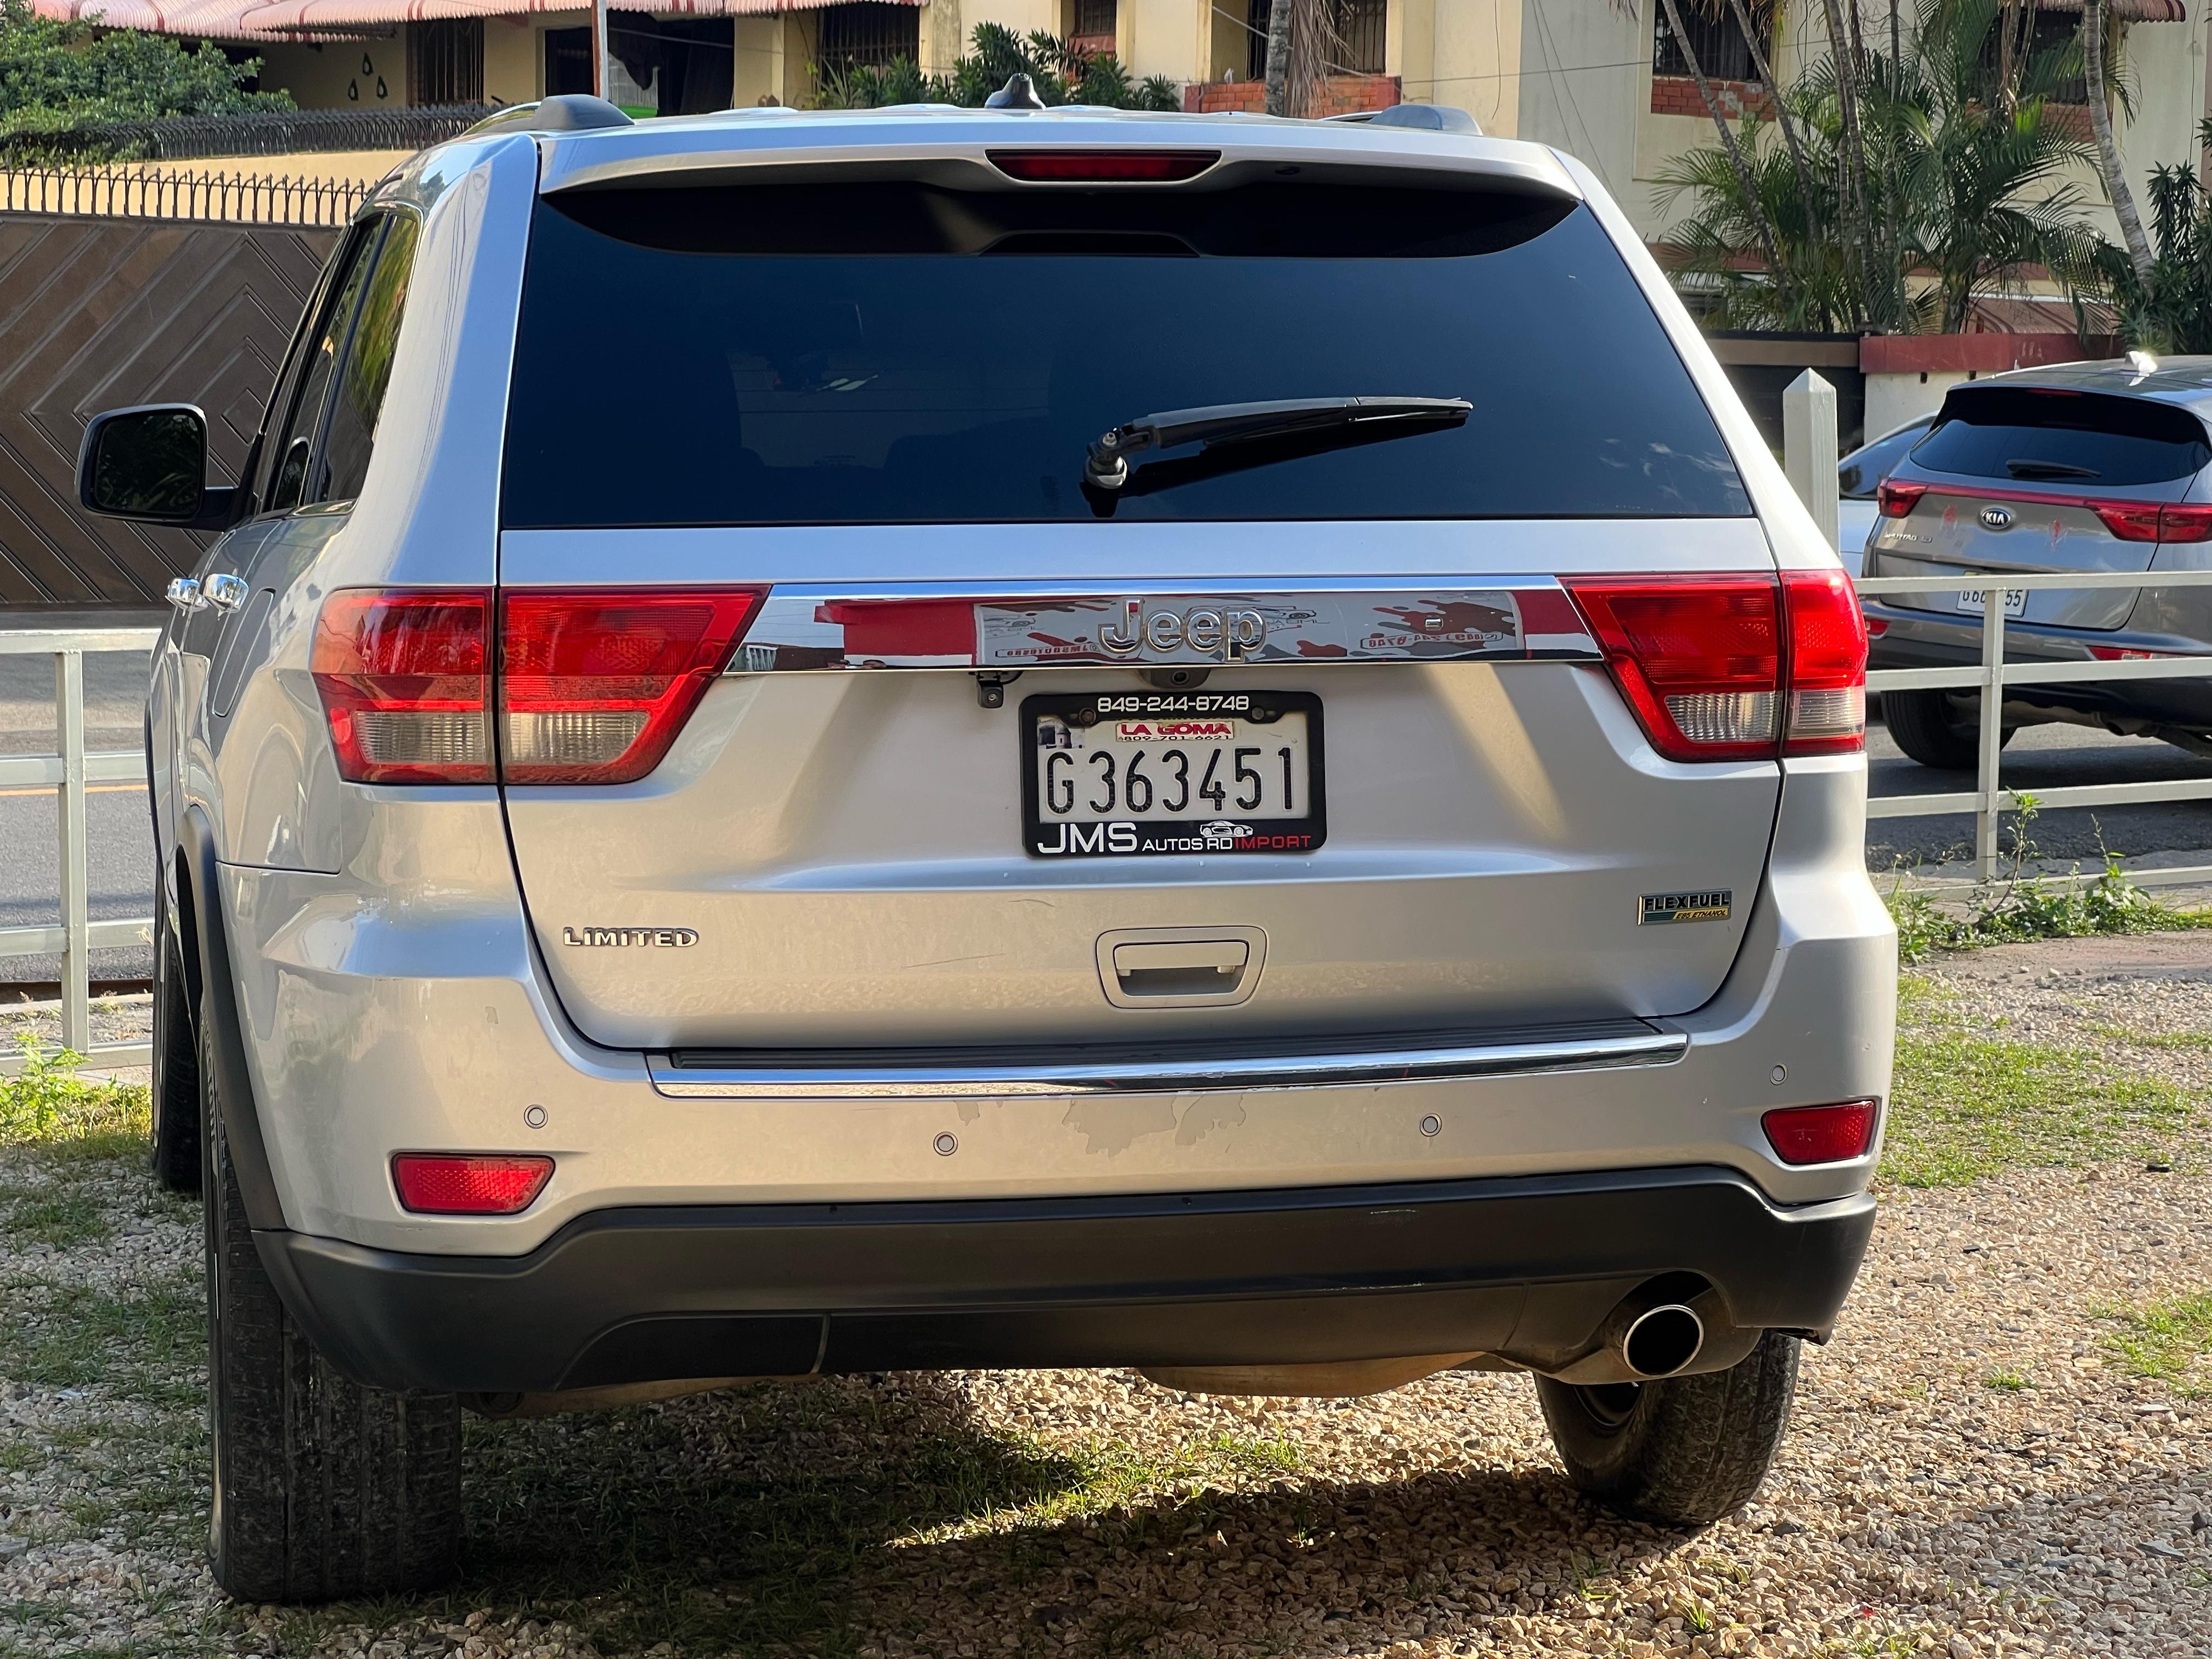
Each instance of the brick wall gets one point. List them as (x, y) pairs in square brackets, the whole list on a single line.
[(1342, 94), (1677, 95)]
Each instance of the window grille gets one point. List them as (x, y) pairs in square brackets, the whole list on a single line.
[(1095, 20), (1361, 26), (1723, 52), (866, 33), (445, 61)]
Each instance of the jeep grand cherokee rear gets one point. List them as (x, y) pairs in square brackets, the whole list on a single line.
[(942, 740)]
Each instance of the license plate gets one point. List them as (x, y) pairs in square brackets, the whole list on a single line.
[(1159, 774), (2015, 601)]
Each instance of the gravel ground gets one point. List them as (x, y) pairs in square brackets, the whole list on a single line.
[(1974, 1469)]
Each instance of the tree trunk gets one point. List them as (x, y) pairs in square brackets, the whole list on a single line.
[(2108, 147), (1854, 160), (1766, 73), (1745, 181), (1279, 56)]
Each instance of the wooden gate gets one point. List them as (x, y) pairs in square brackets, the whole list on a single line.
[(99, 312)]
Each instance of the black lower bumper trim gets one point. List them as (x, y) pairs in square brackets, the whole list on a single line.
[(1526, 1266)]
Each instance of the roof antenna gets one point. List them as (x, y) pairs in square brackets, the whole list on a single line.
[(1019, 92)]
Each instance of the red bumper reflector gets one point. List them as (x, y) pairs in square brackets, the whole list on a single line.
[(1109, 166), (1821, 1134), (469, 1183)]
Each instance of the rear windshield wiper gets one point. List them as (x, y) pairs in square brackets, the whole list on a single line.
[(1360, 419), (2049, 470)]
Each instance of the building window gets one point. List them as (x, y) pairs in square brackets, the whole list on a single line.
[(1095, 23), (1361, 28), (867, 33), (2052, 34), (1718, 40), (445, 61)]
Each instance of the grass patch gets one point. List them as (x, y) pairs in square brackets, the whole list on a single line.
[(2006, 1382), (2166, 1341), (46, 1215), (2017, 907), (148, 1345), (2168, 1040), (1962, 1108), (48, 1105), (773, 1519)]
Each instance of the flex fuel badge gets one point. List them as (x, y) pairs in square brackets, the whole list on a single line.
[(1686, 907)]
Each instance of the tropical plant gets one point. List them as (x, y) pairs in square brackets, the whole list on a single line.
[(57, 79), (2169, 309), (1901, 189), (1061, 73)]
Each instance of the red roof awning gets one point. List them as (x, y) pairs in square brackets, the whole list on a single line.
[(250, 20)]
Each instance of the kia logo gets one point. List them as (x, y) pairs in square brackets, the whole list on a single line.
[(1996, 518)]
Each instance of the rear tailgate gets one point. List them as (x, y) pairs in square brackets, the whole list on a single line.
[(1418, 797), (2024, 479)]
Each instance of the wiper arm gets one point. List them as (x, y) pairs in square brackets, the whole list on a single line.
[(2049, 470), (1107, 465)]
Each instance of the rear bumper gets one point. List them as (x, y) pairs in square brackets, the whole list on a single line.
[(1921, 639), (1526, 1268)]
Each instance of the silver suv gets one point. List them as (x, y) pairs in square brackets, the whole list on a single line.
[(930, 738)]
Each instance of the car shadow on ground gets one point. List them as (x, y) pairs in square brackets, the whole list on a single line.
[(811, 1516)]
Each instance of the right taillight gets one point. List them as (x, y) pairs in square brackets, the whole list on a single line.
[(1826, 714), (1697, 658), (1734, 668)]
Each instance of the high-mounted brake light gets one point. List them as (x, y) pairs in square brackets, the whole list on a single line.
[(592, 685), (1110, 167), (1734, 668), (404, 677), (469, 1183), (1821, 1134)]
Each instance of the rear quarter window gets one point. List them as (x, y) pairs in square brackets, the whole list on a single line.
[(2034, 435), (871, 354)]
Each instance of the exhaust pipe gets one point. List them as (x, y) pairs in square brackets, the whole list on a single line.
[(1661, 1340)]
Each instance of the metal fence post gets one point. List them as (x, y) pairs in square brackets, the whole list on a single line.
[(1992, 733), (1808, 447), (75, 868)]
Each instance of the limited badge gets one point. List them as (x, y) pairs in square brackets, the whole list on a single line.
[(1686, 907)]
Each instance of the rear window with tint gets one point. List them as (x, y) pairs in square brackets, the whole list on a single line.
[(2033, 436), (867, 354)]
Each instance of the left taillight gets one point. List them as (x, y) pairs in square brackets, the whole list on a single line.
[(543, 686), (405, 680), (1734, 668)]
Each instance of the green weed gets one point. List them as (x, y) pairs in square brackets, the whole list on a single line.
[(2166, 1341), (2006, 1382), (49, 1105)]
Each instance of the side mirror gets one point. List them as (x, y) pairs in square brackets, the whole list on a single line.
[(150, 465)]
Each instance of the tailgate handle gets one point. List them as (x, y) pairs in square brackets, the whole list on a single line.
[(1195, 968)]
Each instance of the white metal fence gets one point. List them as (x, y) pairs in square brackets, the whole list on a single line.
[(1988, 800), (67, 773)]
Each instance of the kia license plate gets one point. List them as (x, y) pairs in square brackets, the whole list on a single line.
[(2015, 601), (1154, 774)]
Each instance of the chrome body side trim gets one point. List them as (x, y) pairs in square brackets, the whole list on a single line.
[(700, 1077), (1025, 625)]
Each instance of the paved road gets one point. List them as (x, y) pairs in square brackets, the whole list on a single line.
[(122, 854)]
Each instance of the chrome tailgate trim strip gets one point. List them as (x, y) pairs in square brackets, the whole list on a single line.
[(1244, 1074), (1018, 626)]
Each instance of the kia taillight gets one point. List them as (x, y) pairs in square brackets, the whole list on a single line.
[(1734, 668), (588, 686), (404, 677), (469, 1183), (2144, 521), (1894, 501), (594, 686)]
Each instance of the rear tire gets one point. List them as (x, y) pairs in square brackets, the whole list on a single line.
[(175, 1152), (1927, 729), (1681, 1452), (323, 1489)]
